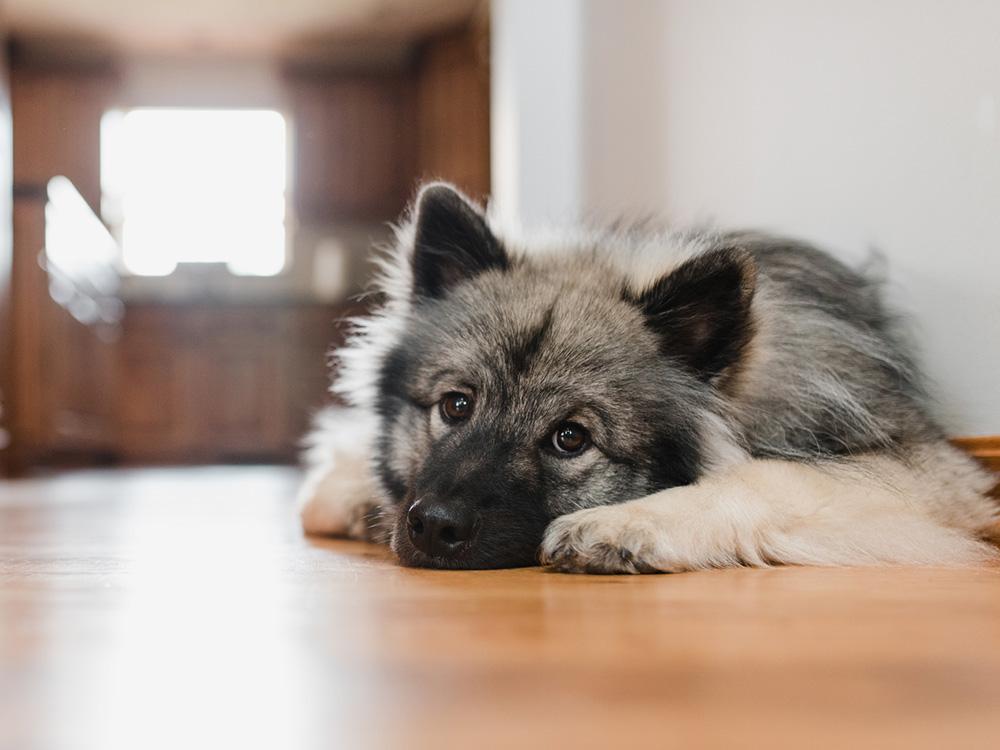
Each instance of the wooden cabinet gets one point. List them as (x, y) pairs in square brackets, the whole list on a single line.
[(63, 380), (188, 382), (353, 144), (64, 372), (227, 381), (363, 140), (57, 118), (201, 380), (152, 399), (453, 105)]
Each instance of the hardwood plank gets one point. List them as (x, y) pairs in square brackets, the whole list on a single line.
[(178, 608)]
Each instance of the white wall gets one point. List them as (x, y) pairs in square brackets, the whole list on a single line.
[(536, 117), (852, 124)]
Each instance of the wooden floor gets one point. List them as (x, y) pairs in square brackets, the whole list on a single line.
[(183, 609)]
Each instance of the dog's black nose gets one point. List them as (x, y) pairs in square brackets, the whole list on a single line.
[(440, 529)]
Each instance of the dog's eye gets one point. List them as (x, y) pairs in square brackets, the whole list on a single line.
[(456, 406), (570, 439)]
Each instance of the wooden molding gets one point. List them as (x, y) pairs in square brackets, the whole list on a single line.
[(986, 449)]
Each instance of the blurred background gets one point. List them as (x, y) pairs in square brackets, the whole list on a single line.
[(196, 187), (189, 190)]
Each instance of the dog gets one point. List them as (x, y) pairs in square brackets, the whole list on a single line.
[(630, 401)]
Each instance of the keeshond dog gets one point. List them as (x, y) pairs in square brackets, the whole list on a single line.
[(628, 401)]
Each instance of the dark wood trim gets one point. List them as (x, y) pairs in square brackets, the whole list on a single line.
[(30, 191)]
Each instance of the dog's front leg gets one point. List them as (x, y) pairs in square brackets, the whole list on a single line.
[(770, 512), (339, 495)]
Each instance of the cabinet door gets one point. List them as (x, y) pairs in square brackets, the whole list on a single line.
[(221, 382), (64, 372), (240, 401), (157, 422), (80, 371), (353, 146), (58, 122)]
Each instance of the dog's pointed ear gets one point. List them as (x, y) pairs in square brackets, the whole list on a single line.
[(452, 241), (701, 309)]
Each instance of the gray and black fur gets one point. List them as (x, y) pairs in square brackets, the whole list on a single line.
[(679, 354)]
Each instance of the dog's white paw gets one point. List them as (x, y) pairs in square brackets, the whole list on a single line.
[(341, 503), (339, 496), (608, 539), (353, 518)]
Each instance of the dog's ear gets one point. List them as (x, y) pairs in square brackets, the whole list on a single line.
[(701, 309), (452, 242)]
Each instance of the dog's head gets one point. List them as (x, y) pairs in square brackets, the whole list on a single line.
[(520, 389)]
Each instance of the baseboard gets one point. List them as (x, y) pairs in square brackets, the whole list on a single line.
[(986, 449)]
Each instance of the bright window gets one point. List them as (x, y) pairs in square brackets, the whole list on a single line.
[(196, 186)]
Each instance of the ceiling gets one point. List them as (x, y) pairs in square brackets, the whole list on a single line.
[(295, 28)]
